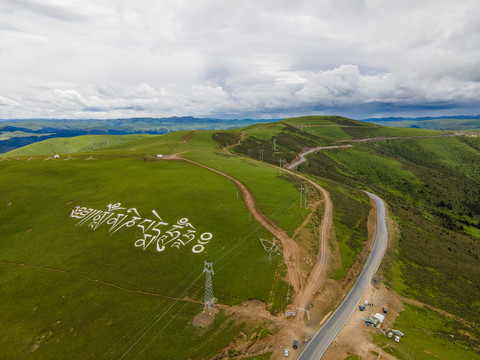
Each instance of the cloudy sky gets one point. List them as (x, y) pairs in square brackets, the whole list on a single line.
[(238, 59)]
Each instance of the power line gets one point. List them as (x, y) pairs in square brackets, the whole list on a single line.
[(280, 209)]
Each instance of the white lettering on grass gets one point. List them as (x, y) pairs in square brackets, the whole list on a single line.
[(179, 235)]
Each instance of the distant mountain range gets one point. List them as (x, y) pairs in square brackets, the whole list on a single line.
[(450, 123), (459, 117), (21, 132), (17, 133)]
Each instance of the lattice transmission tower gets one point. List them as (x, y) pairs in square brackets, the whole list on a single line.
[(271, 247), (209, 303)]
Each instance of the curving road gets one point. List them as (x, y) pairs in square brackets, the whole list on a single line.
[(321, 341), (301, 156)]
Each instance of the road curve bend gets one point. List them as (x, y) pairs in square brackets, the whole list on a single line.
[(301, 157), (321, 341)]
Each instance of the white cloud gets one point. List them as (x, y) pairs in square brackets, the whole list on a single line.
[(5, 101), (257, 58)]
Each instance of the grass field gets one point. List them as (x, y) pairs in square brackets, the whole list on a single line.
[(431, 186), (9, 134), (79, 144), (47, 252), (106, 271), (70, 289), (429, 336)]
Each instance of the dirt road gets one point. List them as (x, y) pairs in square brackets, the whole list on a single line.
[(304, 293), (318, 276), (291, 251)]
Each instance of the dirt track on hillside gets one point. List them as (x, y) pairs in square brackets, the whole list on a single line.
[(305, 290), (318, 275), (290, 247)]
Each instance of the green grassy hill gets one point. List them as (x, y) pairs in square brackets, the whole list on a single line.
[(432, 188), (79, 144), (94, 292)]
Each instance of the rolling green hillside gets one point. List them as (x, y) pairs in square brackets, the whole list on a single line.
[(72, 285), (432, 187), (80, 144), (88, 280), (19, 133)]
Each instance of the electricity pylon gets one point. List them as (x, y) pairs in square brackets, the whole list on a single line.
[(271, 247), (209, 303)]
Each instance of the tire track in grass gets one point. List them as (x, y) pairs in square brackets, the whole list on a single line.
[(46, 268)]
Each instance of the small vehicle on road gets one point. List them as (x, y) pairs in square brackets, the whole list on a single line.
[(286, 352), (295, 344)]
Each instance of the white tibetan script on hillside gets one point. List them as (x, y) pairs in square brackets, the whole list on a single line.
[(118, 217)]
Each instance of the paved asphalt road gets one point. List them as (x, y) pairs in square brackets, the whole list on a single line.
[(320, 342), (302, 156)]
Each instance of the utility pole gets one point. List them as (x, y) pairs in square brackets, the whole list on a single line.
[(249, 152), (260, 154), (305, 192), (288, 292), (274, 143), (282, 165), (301, 196), (209, 303)]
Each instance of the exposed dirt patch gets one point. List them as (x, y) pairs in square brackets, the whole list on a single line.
[(430, 353), (329, 296), (69, 202), (9, 203), (203, 319), (307, 236), (187, 137), (35, 347), (356, 338)]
